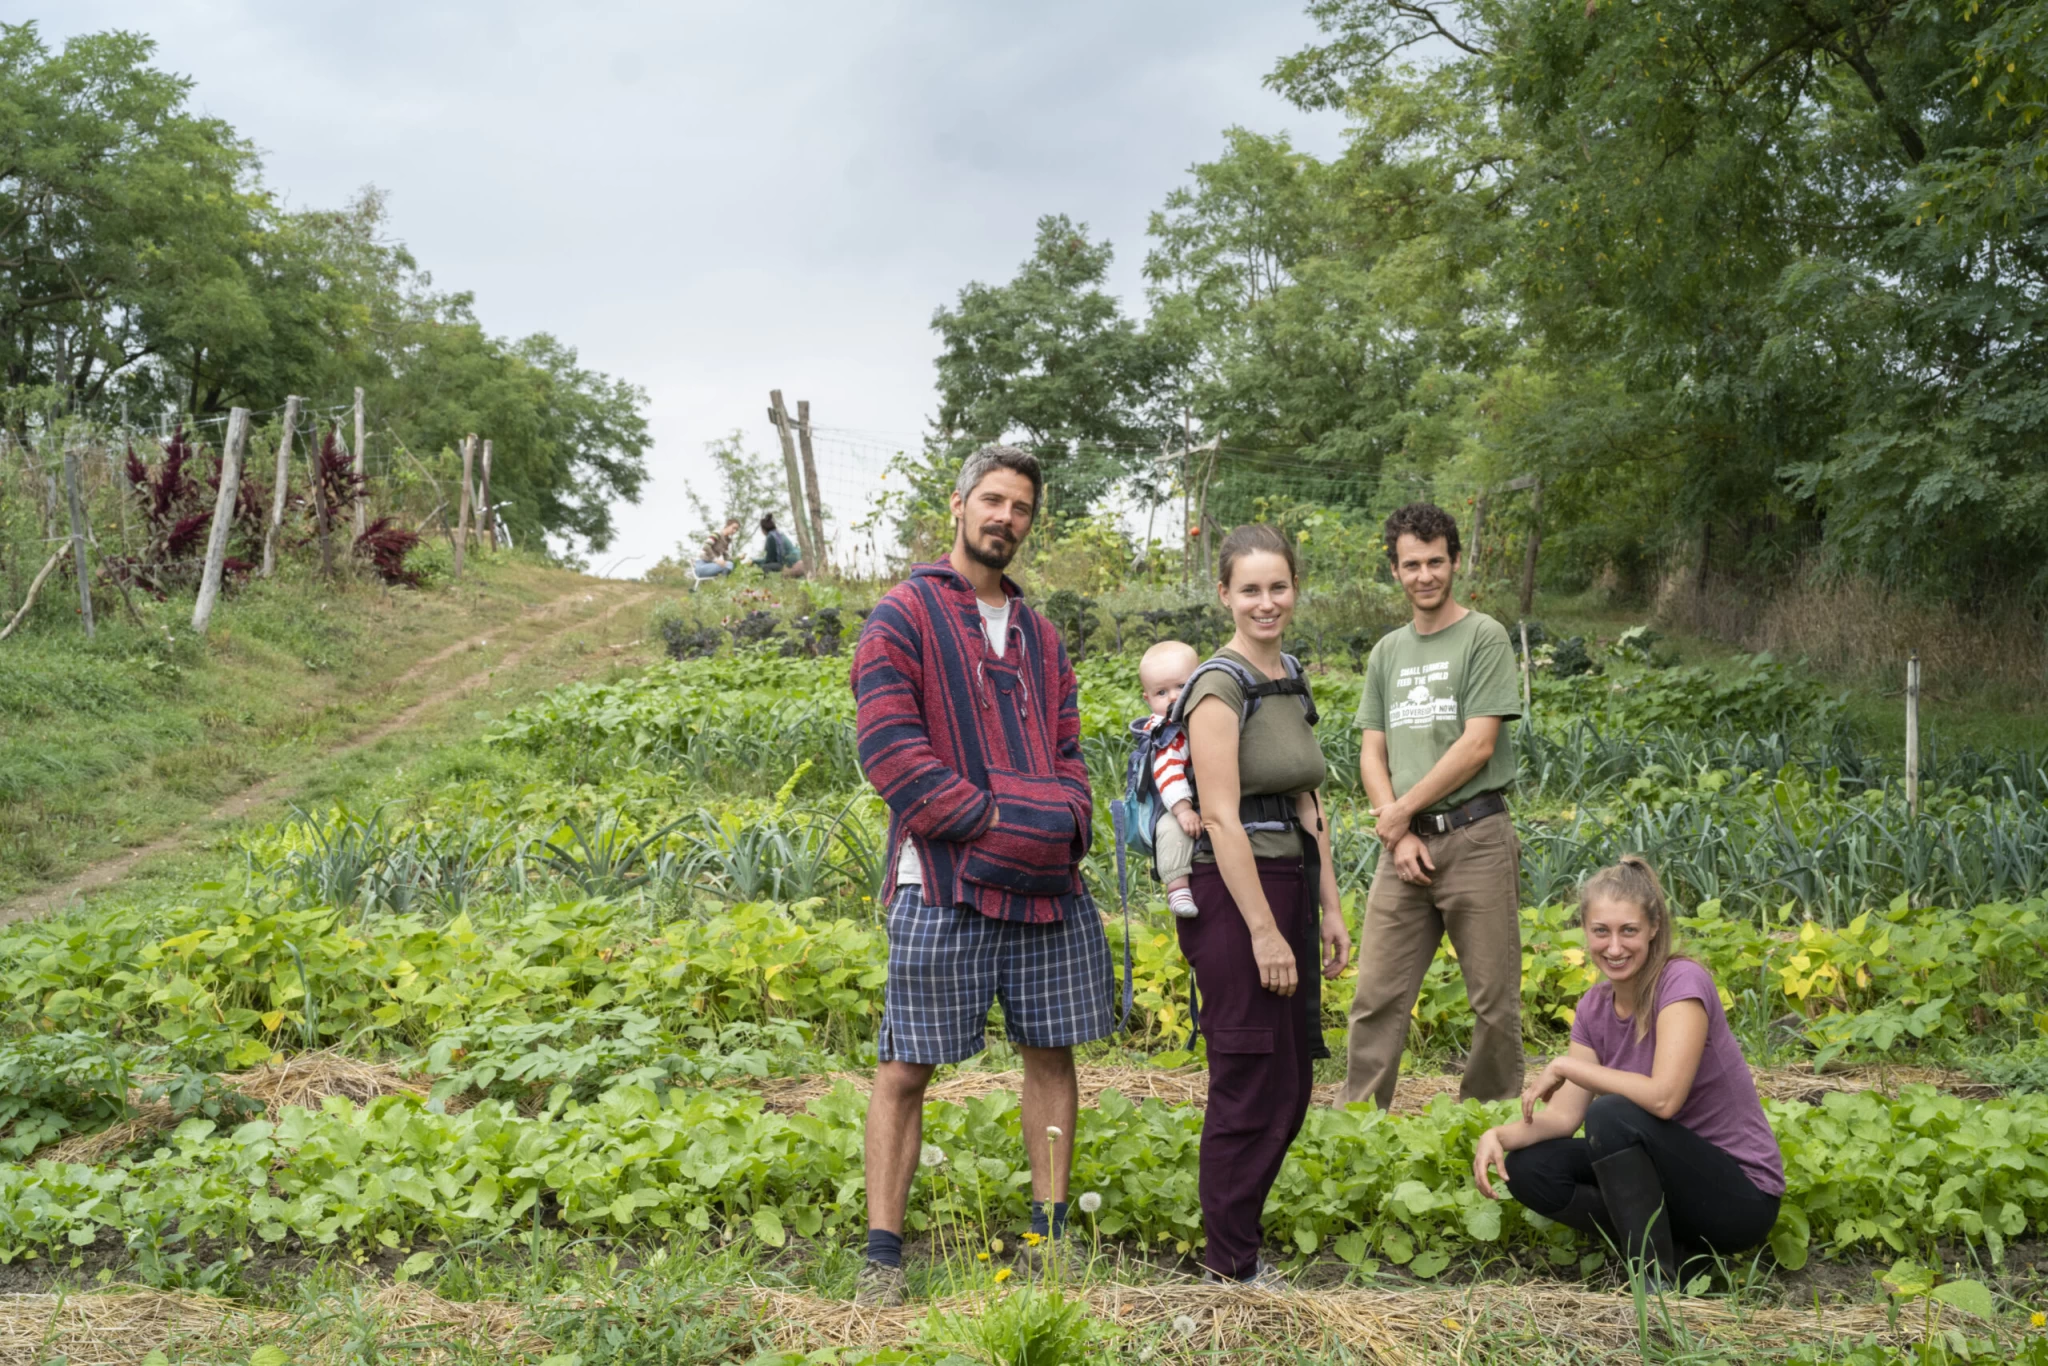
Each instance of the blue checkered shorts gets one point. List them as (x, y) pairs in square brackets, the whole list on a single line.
[(946, 964)]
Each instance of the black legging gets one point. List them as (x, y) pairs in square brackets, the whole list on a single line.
[(1710, 1201)]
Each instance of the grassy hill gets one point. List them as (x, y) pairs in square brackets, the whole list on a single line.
[(109, 745)]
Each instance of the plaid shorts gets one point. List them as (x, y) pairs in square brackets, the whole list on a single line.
[(946, 964)]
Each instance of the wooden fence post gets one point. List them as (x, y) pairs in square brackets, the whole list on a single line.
[(316, 458), (1913, 734), (1528, 673), (361, 469), (811, 494), (1477, 558), (1535, 541), (277, 494), (78, 540), (223, 518), (123, 488), (487, 524), (462, 520), (779, 415)]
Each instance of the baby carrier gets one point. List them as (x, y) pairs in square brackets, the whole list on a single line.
[(1135, 815)]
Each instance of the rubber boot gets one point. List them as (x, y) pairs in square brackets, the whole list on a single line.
[(1586, 1211), (1635, 1203)]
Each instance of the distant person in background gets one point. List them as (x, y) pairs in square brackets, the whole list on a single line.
[(779, 553), (1678, 1156), (716, 556), (1436, 764)]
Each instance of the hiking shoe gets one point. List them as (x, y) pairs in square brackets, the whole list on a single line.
[(880, 1287)]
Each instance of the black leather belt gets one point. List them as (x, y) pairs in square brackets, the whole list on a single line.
[(1458, 817)]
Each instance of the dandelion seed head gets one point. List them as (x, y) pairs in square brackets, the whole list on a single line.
[(932, 1155), (1090, 1201), (1184, 1324)]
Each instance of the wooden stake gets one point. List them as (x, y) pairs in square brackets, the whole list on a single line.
[(361, 470), (223, 518), (1478, 560), (779, 415), (487, 525), (321, 520), (121, 483), (803, 434), (277, 494), (78, 540), (1913, 734), (1528, 673), (1535, 541), (33, 588), (462, 518)]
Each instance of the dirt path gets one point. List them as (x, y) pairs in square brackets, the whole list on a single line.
[(105, 874)]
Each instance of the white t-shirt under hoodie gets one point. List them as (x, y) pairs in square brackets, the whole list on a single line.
[(995, 624)]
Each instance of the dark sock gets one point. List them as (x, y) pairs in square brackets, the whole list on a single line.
[(885, 1247), (1052, 1226)]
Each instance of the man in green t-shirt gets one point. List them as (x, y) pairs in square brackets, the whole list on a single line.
[(1437, 763)]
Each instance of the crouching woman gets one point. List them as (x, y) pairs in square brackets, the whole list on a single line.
[(1677, 1157)]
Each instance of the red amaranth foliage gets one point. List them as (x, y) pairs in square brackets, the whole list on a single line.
[(335, 468), (385, 544), (178, 511)]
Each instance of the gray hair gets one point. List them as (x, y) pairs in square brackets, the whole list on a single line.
[(978, 466)]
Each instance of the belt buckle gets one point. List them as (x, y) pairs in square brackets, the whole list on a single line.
[(1439, 823)]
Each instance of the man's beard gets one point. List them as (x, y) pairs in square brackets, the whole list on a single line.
[(998, 558)]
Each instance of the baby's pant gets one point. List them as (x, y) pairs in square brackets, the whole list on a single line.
[(1173, 851)]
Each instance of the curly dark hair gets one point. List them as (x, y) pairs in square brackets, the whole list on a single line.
[(1426, 522)]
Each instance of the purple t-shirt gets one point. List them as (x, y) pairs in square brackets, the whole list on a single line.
[(1722, 1107)]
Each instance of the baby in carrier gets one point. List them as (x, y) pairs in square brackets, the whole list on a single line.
[(1162, 673)]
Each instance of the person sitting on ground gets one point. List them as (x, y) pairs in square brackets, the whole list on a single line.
[(716, 556), (779, 553), (1162, 673), (1677, 1156)]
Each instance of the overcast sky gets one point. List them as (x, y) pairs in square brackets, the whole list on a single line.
[(713, 200)]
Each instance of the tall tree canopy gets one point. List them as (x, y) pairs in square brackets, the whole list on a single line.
[(1050, 360), (143, 261), (1758, 276)]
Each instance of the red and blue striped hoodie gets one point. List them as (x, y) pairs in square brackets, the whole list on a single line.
[(978, 758)]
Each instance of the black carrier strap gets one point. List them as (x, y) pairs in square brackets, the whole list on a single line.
[(1293, 686)]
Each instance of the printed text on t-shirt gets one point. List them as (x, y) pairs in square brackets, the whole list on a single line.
[(1419, 708)]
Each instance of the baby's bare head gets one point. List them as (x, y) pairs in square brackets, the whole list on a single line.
[(1163, 672)]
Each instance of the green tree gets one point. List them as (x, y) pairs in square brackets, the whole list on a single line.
[(749, 484), (119, 213), (1049, 360)]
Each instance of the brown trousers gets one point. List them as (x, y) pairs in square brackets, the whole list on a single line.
[(1475, 895)]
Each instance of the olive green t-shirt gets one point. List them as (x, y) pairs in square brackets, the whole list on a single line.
[(1276, 752), (1420, 690)]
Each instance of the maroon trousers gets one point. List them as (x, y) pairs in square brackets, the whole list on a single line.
[(1260, 1060)]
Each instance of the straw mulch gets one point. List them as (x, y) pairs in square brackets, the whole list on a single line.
[(120, 1328), (306, 1081), (1396, 1327), (1190, 1086), (1405, 1327)]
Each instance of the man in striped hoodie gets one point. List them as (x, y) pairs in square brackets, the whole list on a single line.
[(970, 730)]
